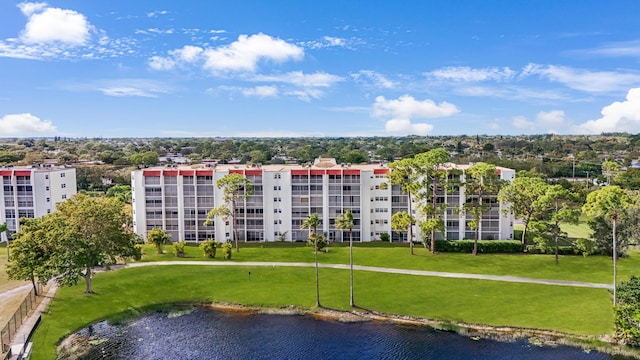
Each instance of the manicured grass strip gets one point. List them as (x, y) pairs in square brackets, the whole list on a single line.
[(597, 269), (132, 291)]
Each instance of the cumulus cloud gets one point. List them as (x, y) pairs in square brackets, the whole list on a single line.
[(551, 120), (465, 73), (521, 122), (24, 124), (245, 53), (48, 24), (584, 80), (620, 116), (242, 55), (261, 91), (156, 13), (373, 78), (406, 108)]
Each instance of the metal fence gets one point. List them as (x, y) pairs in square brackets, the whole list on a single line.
[(8, 333)]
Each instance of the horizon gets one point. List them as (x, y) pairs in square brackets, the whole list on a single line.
[(249, 69)]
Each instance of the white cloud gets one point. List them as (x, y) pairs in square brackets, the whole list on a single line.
[(187, 54), (465, 73), (615, 49), (376, 79), (161, 63), (326, 42), (245, 53), (47, 24), (406, 108), (584, 80), (318, 79), (28, 8), (261, 91), (24, 124), (156, 13), (122, 87), (521, 122), (621, 116), (551, 120)]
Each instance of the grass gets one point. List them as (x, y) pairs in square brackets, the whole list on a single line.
[(131, 292), (596, 269), (5, 283)]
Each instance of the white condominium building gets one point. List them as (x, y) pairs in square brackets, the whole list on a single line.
[(33, 192), (177, 199)]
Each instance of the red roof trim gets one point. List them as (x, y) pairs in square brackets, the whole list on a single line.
[(241, 172), (352, 172), (170, 172), (253, 172), (318, 172), (151, 173), (380, 171), (334, 172), (299, 172), (5, 172), (187, 172), (22, 173), (204, 172)]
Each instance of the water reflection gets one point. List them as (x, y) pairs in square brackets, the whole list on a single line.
[(207, 334)]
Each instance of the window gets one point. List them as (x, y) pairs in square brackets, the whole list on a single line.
[(46, 177), (276, 188), (64, 186), (48, 200), (64, 196), (63, 175), (277, 176), (46, 188)]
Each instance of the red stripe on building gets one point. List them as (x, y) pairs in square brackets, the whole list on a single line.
[(5, 172), (318, 172), (22, 173), (170, 173), (204, 172), (334, 172), (380, 171), (299, 172), (253, 172), (151, 173), (241, 172), (187, 172), (351, 172)]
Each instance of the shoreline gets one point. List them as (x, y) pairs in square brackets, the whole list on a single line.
[(536, 337)]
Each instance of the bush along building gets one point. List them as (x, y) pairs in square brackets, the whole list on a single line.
[(32, 192), (178, 199)]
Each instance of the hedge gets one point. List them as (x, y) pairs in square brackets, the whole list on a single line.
[(484, 246)]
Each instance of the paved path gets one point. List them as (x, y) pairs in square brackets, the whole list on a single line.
[(515, 279), (14, 291), (26, 327)]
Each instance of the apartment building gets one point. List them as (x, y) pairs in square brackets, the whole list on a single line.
[(178, 199), (33, 192)]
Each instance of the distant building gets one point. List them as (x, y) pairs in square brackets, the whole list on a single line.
[(33, 192), (178, 200)]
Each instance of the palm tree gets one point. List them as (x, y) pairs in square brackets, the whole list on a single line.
[(345, 222), (312, 222)]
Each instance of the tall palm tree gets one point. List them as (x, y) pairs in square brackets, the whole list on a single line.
[(312, 222), (345, 222)]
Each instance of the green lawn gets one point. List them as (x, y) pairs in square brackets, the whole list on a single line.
[(130, 292), (576, 268)]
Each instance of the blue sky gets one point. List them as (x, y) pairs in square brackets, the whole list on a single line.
[(121, 68)]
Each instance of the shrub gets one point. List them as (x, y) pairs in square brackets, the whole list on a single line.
[(319, 240), (137, 254), (384, 237), (585, 246), (158, 237), (484, 246), (179, 248), (227, 250), (209, 248), (627, 312)]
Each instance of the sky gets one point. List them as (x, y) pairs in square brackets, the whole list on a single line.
[(121, 68)]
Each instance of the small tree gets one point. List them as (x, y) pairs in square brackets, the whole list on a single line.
[(4, 237), (482, 180), (401, 222), (609, 202), (313, 222), (209, 248), (627, 312), (346, 222), (520, 197), (557, 205), (234, 187), (179, 246), (158, 237), (31, 254), (405, 173)]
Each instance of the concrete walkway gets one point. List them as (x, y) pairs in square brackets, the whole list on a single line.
[(515, 279), (15, 291), (19, 338)]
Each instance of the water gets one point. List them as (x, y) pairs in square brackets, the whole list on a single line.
[(208, 334)]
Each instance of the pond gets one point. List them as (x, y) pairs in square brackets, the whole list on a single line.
[(202, 333)]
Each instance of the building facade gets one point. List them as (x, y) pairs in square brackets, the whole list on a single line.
[(177, 199), (33, 192)]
